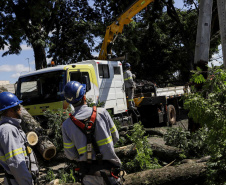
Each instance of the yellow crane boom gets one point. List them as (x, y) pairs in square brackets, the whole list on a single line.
[(117, 26)]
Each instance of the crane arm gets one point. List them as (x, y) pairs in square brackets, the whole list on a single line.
[(117, 26)]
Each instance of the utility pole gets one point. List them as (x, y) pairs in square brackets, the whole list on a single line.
[(221, 6), (202, 47), (28, 64), (203, 33)]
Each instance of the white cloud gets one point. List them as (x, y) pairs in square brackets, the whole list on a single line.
[(16, 75), (11, 68), (25, 47)]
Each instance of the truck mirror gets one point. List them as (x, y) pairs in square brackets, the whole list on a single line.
[(85, 80)]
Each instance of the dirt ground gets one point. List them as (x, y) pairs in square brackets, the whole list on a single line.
[(182, 122)]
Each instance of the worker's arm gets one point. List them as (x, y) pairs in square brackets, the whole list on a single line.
[(69, 147), (113, 129), (15, 154)]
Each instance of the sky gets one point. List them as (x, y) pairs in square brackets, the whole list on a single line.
[(12, 66)]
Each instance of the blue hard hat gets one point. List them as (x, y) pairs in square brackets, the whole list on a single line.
[(8, 100), (126, 65), (74, 91)]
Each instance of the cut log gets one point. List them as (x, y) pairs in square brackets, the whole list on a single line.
[(184, 174), (32, 138), (46, 148)]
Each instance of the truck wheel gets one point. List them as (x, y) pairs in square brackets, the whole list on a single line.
[(172, 115)]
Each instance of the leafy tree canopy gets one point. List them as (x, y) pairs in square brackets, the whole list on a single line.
[(160, 41), (207, 107), (41, 23)]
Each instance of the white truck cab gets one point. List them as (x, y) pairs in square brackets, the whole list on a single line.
[(43, 89)]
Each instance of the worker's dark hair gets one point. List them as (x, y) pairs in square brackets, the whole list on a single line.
[(4, 112), (79, 103)]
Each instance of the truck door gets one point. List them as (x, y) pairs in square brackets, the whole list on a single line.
[(77, 75)]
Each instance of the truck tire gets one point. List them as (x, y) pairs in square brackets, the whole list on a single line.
[(171, 115)]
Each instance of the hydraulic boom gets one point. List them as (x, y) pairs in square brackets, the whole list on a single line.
[(116, 27)]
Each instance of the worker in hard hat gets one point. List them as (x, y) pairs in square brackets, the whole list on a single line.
[(89, 136), (16, 157), (129, 84)]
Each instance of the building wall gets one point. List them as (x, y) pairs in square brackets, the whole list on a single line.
[(3, 82), (6, 85)]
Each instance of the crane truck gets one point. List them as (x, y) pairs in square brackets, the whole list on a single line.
[(43, 89)]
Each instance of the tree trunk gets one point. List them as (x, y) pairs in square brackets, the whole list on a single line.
[(29, 123), (163, 152), (126, 151), (44, 146), (40, 57), (184, 174)]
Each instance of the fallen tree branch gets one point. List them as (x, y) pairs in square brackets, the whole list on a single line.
[(184, 174), (163, 152)]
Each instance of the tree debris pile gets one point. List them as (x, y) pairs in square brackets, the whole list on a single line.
[(144, 86)]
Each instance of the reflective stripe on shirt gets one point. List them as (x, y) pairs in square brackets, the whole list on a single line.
[(13, 153), (113, 129), (104, 141), (82, 150), (99, 143), (128, 78), (68, 145)]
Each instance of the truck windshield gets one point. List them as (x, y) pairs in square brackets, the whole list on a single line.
[(42, 88)]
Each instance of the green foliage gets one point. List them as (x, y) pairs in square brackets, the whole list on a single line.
[(90, 103), (193, 144), (50, 175), (55, 120), (67, 177), (35, 20), (197, 77), (208, 107), (167, 37), (143, 159), (177, 137)]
